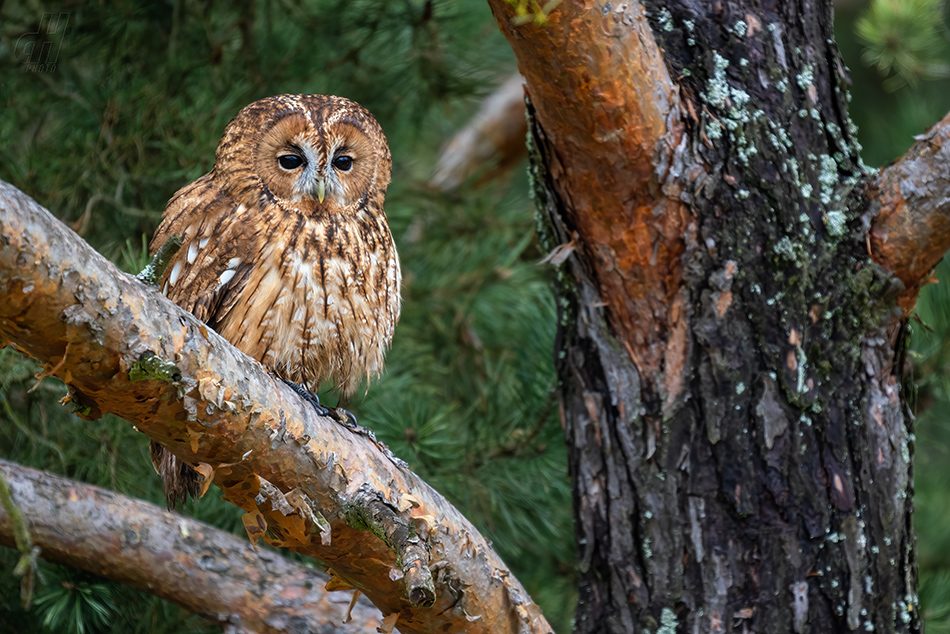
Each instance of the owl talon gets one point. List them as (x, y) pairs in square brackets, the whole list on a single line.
[(347, 418), (309, 396)]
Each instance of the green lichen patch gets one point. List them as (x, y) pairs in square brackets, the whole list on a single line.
[(160, 261), (151, 367)]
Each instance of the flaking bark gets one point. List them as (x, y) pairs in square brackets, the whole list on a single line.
[(294, 473)]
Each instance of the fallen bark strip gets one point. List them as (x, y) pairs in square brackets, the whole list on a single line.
[(199, 567), (297, 475), (910, 211)]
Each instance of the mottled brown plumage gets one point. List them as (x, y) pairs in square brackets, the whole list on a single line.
[(308, 287)]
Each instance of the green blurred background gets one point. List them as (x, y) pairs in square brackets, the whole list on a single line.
[(134, 109)]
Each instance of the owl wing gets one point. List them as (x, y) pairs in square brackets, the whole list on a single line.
[(208, 274), (206, 277)]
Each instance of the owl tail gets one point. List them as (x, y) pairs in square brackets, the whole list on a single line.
[(180, 480)]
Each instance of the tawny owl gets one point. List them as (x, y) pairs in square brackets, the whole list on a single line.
[(286, 251)]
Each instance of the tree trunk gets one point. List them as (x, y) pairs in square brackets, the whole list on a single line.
[(729, 349)]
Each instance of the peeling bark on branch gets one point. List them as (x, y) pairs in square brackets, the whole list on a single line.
[(201, 568), (910, 210), (294, 473)]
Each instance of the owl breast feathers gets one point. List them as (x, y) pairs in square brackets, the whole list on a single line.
[(286, 251)]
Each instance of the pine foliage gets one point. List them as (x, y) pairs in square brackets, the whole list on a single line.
[(905, 39)]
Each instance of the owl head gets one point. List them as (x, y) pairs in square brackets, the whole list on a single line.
[(313, 154)]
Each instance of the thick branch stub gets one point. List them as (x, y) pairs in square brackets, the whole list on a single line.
[(156, 268), (910, 211), (368, 510)]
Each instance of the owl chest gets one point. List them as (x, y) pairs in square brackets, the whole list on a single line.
[(320, 298), (315, 314)]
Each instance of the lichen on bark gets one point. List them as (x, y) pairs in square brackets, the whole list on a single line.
[(760, 473)]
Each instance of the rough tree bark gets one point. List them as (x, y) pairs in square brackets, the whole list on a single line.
[(201, 568), (731, 281), (310, 483)]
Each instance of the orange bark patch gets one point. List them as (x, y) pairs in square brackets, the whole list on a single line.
[(604, 110), (723, 303)]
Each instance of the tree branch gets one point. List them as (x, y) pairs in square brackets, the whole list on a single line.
[(494, 138), (605, 101), (294, 473), (201, 568), (910, 211)]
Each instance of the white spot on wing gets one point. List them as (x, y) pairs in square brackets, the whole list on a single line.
[(233, 263), (176, 271), (225, 277), (192, 252), (203, 242)]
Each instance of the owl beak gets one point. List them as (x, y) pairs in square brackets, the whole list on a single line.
[(321, 189)]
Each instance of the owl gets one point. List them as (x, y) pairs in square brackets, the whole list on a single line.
[(286, 251)]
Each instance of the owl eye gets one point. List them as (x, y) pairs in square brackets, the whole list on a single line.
[(343, 163), (290, 161)]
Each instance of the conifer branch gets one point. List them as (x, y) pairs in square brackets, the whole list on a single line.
[(293, 472), (909, 207), (201, 568)]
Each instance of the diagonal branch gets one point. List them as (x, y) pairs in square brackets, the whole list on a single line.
[(297, 475), (910, 210), (607, 107), (201, 568)]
